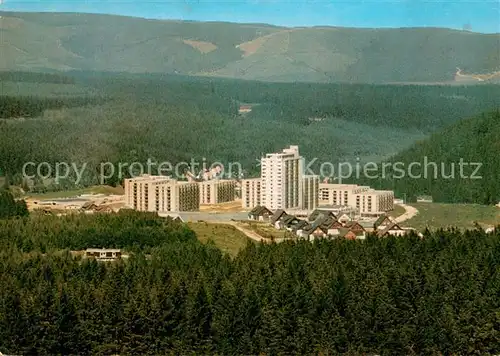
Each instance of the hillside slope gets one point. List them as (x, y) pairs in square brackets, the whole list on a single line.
[(49, 41), (476, 142)]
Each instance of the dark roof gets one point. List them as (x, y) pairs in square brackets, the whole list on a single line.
[(103, 208), (318, 212), (88, 205), (256, 209), (289, 219), (393, 226), (309, 229), (352, 224), (380, 220), (260, 210), (285, 218), (299, 225), (323, 222), (326, 222), (277, 215)]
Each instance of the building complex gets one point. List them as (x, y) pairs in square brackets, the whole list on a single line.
[(282, 184), (160, 194), (366, 201), (217, 191), (165, 194)]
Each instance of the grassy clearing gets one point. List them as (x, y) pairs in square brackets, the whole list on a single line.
[(233, 206), (99, 189), (263, 229), (226, 237), (398, 210), (463, 216)]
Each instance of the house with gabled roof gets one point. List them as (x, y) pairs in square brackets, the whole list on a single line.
[(300, 225), (382, 222), (355, 226), (314, 231), (278, 214), (344, 218), (333, 227), (392, 230), (286, 222), (260, 213), (103, 209), (318, 213), (290, 222), (345, 233)]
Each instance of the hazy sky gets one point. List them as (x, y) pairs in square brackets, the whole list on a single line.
[(482, 15)]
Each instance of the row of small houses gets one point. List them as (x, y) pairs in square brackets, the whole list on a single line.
[(88, 208), (323, 223)]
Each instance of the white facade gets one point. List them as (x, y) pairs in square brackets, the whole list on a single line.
[(310, 189), (161, 194), (217, 191), (251, 193), (281, 174), (374, 202), (365, 200)]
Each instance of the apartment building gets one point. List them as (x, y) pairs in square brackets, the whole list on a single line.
[(251, 193), (281, 173), (339, 194), (161, 194), (367, 201), (310, 188), (374, 202), (217, 191)]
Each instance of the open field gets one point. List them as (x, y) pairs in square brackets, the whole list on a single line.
[(100, 189), (226, 237), (232, 206), (463, 216), (263, 229), (398, 210)]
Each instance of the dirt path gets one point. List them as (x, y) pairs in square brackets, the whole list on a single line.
[(251, 234), (410, 213)]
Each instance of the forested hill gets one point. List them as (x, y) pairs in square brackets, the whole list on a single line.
[(62, 41), (474, 140)]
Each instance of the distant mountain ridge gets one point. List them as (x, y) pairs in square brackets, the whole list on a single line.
[(64, 41)]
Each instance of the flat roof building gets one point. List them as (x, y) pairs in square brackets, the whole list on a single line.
[(367, 201), (217, 191), (161, 194), (103, 254), (281, 175), (310, 189), (251, 193)]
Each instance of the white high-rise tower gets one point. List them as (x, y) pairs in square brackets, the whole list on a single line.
[(281, 174)]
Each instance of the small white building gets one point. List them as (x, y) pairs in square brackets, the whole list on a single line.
[(103, 254)]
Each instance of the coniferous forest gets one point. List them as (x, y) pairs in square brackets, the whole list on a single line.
[(126, 118), (174, 295)]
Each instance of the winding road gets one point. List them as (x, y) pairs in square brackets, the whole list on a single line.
[(410, 213)]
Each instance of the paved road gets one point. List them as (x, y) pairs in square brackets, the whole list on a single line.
[(410, 213)]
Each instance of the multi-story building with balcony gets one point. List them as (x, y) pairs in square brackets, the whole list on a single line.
[(161, 194), (281, 175), (251, 193), (217, 191), (367, 201), (310, 187)]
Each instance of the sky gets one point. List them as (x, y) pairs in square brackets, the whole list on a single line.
[(481, 15)]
